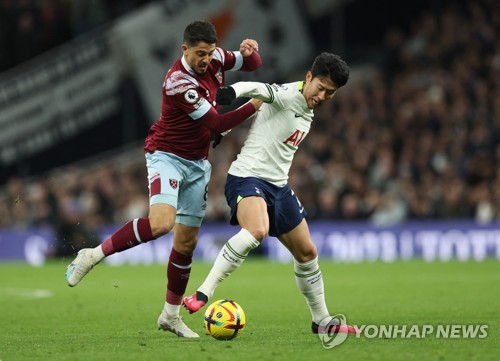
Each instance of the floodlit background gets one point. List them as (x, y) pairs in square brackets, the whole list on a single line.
[(404, 163)]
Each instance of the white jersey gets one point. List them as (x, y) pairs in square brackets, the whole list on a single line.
[(280, 125)]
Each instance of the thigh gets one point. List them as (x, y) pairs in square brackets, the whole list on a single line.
[(193, 193), (164, 177), (287, 212), (248, 199), (252, 215), (298, 242)]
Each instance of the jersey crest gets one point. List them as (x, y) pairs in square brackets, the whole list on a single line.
[(218, 76), (173, 183)]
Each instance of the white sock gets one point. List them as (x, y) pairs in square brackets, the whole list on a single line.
[(230, 257), (97, 254), (171, 310), (310, 282)]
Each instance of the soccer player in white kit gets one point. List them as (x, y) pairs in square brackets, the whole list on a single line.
[(261, 202)]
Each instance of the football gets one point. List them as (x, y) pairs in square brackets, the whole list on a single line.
[(224, 319)]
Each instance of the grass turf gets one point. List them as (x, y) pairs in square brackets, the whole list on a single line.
[(112, 314)]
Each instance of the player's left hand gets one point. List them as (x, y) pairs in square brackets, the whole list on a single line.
[(216, 138), (247, 47), (225, 95)]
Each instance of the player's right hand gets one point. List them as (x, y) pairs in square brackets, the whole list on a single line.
[(257, 103), (247, 47), (225, 95), (216, 138)]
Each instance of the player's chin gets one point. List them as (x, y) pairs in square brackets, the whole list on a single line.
[(202, 69), (313, 104)]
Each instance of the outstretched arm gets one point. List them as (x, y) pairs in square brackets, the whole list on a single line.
[(225, 95)]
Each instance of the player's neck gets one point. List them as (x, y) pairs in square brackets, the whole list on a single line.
[(188, 68)]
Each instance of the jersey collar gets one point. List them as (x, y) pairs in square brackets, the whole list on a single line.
[(301, 85), (187, 67)]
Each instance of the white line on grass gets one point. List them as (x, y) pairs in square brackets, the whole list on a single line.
[(27, 293)]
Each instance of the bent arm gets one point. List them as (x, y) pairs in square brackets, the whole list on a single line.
[(251, 62), (224, 122)]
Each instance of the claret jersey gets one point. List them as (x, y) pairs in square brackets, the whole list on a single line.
[(279, 127), (188, 96)]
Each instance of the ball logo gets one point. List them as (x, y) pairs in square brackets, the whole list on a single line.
[(191, 96), (328, 338)]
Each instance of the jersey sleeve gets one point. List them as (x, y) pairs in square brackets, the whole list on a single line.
[(267, 93), (221, 123), (233, 60), (182, 88)]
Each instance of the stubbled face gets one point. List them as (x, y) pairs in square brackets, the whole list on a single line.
[(198, 56), (317, 90)]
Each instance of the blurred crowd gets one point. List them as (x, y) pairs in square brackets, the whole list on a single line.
[(78, 200), (415, 137), (31, 27)]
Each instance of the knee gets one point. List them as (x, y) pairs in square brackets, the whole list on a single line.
[(186, 246), (160, 228), (306, 254), (259, 233)]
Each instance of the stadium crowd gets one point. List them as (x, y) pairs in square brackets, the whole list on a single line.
[(415, 137), (31, 27)]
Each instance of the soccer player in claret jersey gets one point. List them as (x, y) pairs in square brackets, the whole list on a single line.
[(176, 151), (261, 202)]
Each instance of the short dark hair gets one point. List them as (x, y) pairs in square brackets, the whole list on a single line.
[(200, 31), (331, 66)]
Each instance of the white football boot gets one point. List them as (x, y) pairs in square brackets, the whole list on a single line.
[(80, 266), (175, 325)]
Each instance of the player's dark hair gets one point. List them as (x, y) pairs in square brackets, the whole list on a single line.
[(331, 66), (200, 31)]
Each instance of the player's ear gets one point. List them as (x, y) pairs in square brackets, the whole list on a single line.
[(184, 48), (309, 76)]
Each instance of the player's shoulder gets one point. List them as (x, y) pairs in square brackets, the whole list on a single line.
[(178, 81), (285, 89)]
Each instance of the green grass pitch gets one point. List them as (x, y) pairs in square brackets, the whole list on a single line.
[(112, 314)]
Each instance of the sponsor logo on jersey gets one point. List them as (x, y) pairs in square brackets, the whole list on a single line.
[(198, 103), (295, 139)]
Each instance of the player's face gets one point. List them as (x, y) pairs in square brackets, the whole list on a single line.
[(318, 90), (199, 56)]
